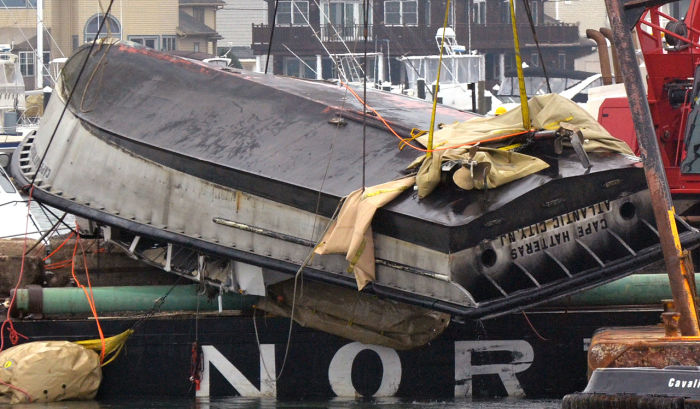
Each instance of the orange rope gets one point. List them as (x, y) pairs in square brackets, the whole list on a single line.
[(59, 247), (418, 148), (14, 335), (532, 327), (58, 265), (88, 295), (9, 385)]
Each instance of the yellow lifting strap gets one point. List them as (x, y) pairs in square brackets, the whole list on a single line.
[(437, 84), (519, 65), (415, 133), (113, 345)]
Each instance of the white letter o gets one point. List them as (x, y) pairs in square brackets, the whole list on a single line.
[(340, 370)]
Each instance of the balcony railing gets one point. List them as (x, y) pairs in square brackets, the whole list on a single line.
[(353, 32), (411, 39), (500, 35)]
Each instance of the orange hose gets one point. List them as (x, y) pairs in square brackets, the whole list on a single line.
[(88, 295), (59, 247), (407, 141)]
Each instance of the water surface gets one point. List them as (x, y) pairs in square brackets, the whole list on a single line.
[(253, 403)]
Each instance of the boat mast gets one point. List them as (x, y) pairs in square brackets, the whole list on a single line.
[(39, 71)]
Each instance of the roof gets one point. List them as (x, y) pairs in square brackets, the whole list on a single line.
[(551, 72), (23, 38), (193, 55), (202, 3), (190, 26)]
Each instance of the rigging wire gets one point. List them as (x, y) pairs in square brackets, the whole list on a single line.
[(297, 275), (88, 294), (528, 12), (47, 233), (337, 34), (26, 39), (337, 65), (14, 334), (272, 34), (525, 111), (407, 142), (157, 304), (431, 130), (45, 209), (301, 60), (72, 91), (365, 16)]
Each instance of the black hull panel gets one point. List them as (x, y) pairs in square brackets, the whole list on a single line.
[(542, 358)]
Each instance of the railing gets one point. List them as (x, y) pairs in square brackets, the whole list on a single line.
[(500, 35), (413, 39), (354, 32)]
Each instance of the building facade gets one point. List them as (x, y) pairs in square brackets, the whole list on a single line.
[(234, 22), (586, 14), (69, 24), (408, 27), (197, 27)]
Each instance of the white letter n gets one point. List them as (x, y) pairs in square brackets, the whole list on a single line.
[(268, 371)]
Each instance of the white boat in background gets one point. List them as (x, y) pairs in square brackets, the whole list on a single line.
[(573, 85), (460, 76), (12, 103), (14, 212), (220, 62)]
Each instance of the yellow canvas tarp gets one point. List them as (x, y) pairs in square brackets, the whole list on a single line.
[(351, 232), (48, 371), (503, 167), (488, 167), (548, 112), (355, 315)]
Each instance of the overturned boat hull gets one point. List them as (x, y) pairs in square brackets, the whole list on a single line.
[(231, 178)]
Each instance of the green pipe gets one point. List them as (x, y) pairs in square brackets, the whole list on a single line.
[(636, 289), (71, 300)]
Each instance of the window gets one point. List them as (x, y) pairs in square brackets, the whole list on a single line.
[(292, 66), (195, 47), (401, 13), (535, 59), (147, 41), (562, 60), (505, 11), (198, 14), (18, 3), (110, 28), (426, 13), (479, 12), (5, 184), (347, 19), (535, 9), (450, 15), (294, 12), (26, 63), (47, 69), (167, 43)]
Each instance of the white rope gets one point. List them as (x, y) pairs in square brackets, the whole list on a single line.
[(299, 58)]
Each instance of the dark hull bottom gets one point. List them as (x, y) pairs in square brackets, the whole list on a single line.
[(498, 357)]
